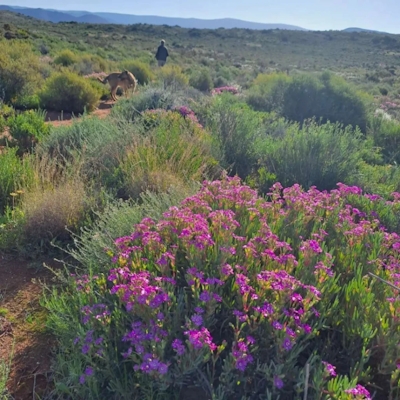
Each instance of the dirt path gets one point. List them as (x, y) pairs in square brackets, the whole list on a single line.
[(60, 119), (23, 338)]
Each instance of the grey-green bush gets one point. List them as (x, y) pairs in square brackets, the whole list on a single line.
[(313, 155)]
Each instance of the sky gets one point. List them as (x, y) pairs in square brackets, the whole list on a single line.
[(382, 15)]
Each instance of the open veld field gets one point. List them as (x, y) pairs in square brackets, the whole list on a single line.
[(229, 230)]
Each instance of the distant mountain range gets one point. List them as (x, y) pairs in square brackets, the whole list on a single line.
[(127, 19)]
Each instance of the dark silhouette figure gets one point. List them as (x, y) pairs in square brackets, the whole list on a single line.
[(162, 54)]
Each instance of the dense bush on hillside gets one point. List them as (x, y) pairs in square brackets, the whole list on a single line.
[(19, 71), (201, 80), (66, 91), (27, 129), (327, 98), (66, 58)]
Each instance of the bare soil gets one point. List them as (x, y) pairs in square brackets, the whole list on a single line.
[(23, 337), (59, 119)]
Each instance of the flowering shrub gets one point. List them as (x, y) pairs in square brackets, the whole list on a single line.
[(187, 113), (225, 89), (160, 116), (242, 296)]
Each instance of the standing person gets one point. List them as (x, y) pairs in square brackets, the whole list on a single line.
[(162, 54)]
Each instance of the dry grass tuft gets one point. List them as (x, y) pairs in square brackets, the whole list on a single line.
[(49, 211)]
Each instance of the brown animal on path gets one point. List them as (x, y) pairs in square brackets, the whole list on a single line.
[(125, 80)]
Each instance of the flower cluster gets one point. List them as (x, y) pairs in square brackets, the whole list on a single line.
[(232, 281), (186, 112), (359, 392), (225, 89)]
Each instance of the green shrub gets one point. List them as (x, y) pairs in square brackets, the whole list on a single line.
[(201, 80), (153, 98), (326, 97), (28, 128), (315, 155), (386, 135), (378, 179), (66, 58), (13, 173), (236, 128), (90, 143), (27, 102), (173, 153), (19, 71), (140, 70), (172, 77), (66, 91), (267, 91)]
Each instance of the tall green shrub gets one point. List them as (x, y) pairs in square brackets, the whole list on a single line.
[(236, 128), (66, 91), (19, 71), (326, 97), (140, 70), (313, 155)]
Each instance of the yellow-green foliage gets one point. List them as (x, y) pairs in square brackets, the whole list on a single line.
[(14, 173), (67, 91), (19, 71), (142, 71), (174, 153), (66, 58), (266, 92), (172, 76)]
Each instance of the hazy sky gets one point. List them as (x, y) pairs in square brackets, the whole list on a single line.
[(310, 14)]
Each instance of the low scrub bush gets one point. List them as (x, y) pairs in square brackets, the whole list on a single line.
[(19, 71), (230, 296), (87, 64), (153, 98), (267, 91), (236, 128), (386, 135), (201, 80), (27, 129), (174, 152), (50, 213), (379, 179), (66, 58), (89, 144), (140, 70), (315, 155), (172, 77), (66, 91)]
